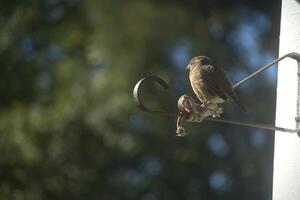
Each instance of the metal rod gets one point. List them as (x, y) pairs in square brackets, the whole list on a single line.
[(298, 101), (253, 125), (293, 55)]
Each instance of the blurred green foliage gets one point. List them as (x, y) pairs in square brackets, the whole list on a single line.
[(69, 128)]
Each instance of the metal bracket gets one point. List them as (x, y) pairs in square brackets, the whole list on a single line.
[(161, 82)]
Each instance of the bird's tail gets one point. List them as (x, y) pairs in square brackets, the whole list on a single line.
[(238, 102)]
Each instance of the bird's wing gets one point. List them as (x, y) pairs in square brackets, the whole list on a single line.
[(217, 81), (223, 86)]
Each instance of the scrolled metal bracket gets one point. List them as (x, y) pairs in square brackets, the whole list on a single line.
[(137, 95), (161, 82)]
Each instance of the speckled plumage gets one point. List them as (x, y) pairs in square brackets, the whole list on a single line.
[(210, 83)]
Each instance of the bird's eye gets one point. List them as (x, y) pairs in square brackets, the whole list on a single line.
[(205, 61)]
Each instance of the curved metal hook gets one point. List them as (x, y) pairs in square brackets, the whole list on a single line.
[(138, 100)]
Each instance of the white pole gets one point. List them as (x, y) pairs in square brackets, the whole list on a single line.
[(286, 178)]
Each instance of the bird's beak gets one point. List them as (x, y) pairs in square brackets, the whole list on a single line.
[(188, 67)]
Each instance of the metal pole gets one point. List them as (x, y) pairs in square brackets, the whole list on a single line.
[(286, 174)]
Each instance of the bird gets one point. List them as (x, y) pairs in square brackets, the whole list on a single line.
[(210, 83)]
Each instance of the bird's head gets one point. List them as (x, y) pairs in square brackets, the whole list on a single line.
[(198, 61)]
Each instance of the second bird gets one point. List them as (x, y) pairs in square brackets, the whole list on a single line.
[(210, 83)]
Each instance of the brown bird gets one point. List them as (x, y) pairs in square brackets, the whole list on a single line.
[(210, 83)]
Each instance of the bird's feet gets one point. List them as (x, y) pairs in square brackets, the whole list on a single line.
[(205, 104), (214, 110), (217, 113)]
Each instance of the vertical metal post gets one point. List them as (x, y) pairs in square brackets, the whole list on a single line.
[(298, 99), (286, 174)]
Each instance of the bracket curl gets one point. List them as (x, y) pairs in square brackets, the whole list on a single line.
[(138, 100)]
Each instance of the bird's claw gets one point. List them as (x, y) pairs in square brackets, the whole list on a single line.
[(205, 104), (214, 110), (217, 113)]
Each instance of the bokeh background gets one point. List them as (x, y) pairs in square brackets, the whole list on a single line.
[(69, 128)]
